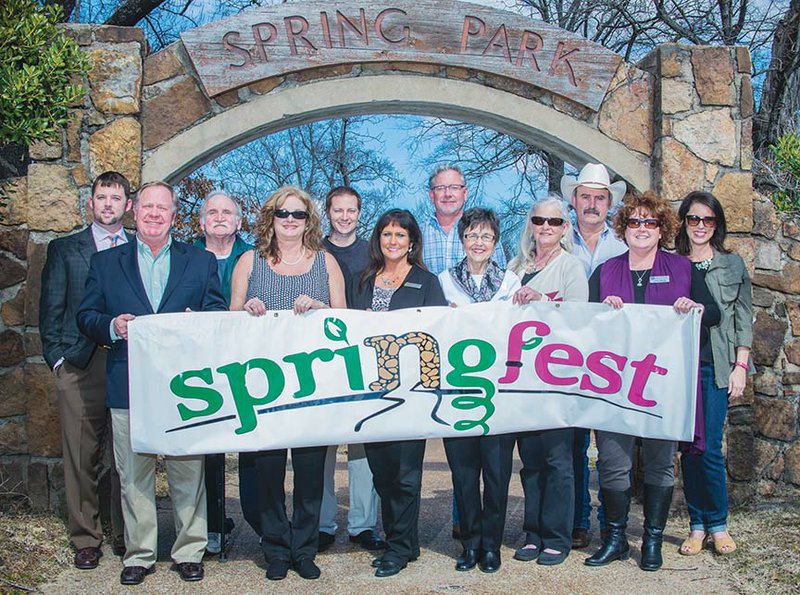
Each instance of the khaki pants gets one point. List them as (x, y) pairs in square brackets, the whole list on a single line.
[(87, 451), (137, 474)]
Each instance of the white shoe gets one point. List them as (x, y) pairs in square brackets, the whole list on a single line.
[(214, 543)]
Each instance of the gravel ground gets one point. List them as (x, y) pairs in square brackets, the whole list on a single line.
[(346, 569)]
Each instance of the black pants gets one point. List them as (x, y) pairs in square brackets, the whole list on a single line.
[(549, 487), (215, 492), (481, 522), (397, 473), (281, 539)]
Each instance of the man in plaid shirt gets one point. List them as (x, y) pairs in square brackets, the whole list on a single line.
[(441, 246)]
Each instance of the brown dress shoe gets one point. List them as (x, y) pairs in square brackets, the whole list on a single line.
[(190, 571), (87, 558), (133, 575), (580, 539)]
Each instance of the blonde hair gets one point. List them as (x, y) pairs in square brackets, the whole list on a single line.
[(264, 230), (527, 244)]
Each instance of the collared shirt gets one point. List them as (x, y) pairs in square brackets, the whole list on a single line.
[(608, 246), (154, 270), (442, 251), (103, 239)]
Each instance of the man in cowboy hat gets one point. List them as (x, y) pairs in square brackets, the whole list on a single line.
[(592, 195)]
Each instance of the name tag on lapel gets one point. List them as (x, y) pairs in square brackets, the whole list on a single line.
[(660, 279), (411, 285)]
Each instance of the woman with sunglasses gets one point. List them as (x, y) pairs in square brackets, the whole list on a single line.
[(645, 274), (287, 270), (724, 365), (549, 273), (395, 279), (478, 278)]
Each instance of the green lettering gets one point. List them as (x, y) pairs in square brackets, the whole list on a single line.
[(245, 402), (302, 367), (181, 390), (459, 377), (352, 365)]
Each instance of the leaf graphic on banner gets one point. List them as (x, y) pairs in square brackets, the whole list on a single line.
[(531, 343), (335, 330)]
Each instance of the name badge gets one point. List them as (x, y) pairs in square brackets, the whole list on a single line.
[(660, 279), (411, 285)]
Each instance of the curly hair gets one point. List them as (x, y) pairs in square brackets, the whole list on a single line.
[(264, 230), (657, 207)]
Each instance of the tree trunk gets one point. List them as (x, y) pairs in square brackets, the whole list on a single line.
[(131, 12), (780, 98)]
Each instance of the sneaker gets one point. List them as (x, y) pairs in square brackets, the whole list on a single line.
[(214, 545)]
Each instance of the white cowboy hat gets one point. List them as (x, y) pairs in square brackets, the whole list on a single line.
[(593, 175)]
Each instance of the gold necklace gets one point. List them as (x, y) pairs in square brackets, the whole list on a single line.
[(302, 256)]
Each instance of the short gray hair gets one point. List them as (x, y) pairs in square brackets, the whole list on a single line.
[(157, 184), (443, 167), (214, 194)]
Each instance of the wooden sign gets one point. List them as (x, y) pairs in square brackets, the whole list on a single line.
[(294, 36)]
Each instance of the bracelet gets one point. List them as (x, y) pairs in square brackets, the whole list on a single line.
[(741, 365)]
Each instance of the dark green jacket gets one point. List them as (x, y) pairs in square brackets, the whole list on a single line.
[(239, 248)]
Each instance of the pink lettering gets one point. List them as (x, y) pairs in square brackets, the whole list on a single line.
[(499, 40), (467, 31), (595, 364), (379, 29), (644, 368), (516, 345), (295, 35), (547, 356)]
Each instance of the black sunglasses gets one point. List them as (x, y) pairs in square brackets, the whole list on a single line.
[(551, 221), (635, 223), (694, 221), (284, 214)]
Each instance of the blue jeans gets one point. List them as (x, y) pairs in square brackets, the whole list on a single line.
[(704, 475), (580, 467)]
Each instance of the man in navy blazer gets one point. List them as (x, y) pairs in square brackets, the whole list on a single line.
[(80, 369), (153, 274)]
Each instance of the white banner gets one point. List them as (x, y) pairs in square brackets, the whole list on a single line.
[(210, 382)]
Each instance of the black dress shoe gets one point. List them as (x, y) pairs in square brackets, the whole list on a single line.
[(190, 571), (118, 547), (133, 575), (468, 560), (377, 561), (388, 568), (87, 558), (326, 540), (278, 569), (306, 568), (490, 561), (368, 540)]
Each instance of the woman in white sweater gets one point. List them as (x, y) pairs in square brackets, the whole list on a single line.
[(549, 273)]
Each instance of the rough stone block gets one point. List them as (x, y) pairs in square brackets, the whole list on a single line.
[(746, 106), (743, 62), (741, 493), (176, 109), (676, 62), (38, 486), (740, 414), (80, 177), (791, 379), (227, 99), (768, 335), (763, 297), (115, 78), (80, 33), (768, 255), (676, 96), (626, 114), (791, 230), (793, 311), (264, 86), (44, 430), (13, 311), (44, 151), (766, 457), (741, 459), (792, 352), (11, 272), (735, 192), (775, 418), (766, 221), (33, 343), (12, 393), (117, 147), (13, 471), (58, 504), (13, 438), (115, 34), (37, 254), (766, 382), (713, 74), (15, 241), (788, 281), (746, 144), (52, 199), (793, 251), (680, 170), (792, 468), (73, 134), (12, 348), (15, 210), (162, 65)]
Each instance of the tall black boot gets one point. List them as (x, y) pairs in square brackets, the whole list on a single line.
[(657, 500), (616, 505)]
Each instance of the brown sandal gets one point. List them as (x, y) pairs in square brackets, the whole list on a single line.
[(692, 546), (723, 545)]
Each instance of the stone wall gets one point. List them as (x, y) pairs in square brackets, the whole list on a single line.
[(686, 111), (104, 134)]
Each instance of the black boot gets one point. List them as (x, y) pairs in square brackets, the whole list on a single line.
[(657, 500), (616, 506)]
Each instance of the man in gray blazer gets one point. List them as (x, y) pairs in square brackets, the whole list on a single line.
[(80, 368)]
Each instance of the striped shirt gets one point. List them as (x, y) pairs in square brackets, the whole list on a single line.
[(442, 251), (278, 292)]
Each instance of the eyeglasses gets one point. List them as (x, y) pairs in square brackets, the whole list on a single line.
[(695, 220), (284, 214), (634, 223), (486, 238), (551, 221), (451, 187)]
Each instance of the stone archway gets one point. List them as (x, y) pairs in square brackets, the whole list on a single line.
[(678, 121)]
